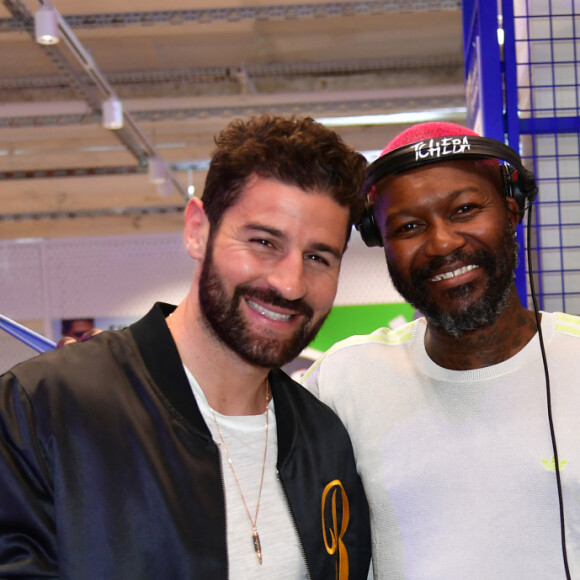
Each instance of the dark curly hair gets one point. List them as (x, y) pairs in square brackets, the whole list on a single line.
[(295, 151)]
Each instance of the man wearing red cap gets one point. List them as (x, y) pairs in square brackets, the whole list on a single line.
[(467, 445)]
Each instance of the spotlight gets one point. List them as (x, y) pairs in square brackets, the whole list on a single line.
[(157, 170), (46, 25), (112, 113)]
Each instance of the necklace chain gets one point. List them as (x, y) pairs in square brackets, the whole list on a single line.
[(254, 520)]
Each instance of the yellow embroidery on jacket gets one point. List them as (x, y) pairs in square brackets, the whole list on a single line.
[(332, 536)]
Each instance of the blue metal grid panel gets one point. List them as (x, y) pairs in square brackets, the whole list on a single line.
[(489, 110), (547, 47)]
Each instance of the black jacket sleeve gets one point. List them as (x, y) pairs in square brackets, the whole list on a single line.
[(27, 527)]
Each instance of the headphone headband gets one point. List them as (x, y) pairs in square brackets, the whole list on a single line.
[(439, 149)]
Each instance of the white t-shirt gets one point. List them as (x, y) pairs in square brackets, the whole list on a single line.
[(245, 439), (457, 465)]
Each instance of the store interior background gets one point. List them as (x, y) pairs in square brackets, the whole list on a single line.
[(84, 232)]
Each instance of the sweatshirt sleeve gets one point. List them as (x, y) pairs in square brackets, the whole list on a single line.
[(27, 527)]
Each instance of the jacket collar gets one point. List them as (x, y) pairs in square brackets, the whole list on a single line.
[(163, 362), (161, 357)]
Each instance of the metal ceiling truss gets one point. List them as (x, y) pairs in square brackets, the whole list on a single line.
[(74, 172), (253, 13), (220, 74), (309, 107), (93, 92), (200, 165), (93, 213)]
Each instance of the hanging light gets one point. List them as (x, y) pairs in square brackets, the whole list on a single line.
[(157, 170), (46, 25), (165, 189), (112, 113)]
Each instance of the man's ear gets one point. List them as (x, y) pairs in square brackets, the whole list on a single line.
[(196, 229), (513, 211)]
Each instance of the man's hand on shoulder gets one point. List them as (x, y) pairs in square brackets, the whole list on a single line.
[(69, 339)]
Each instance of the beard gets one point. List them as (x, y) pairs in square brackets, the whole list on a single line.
[(472, 315), (221, 314)]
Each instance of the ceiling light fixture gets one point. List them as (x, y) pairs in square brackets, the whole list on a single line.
[(157, 170), (451, 113), (165, 189), (46, 25), (112, 113)]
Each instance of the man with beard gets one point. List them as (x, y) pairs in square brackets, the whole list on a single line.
[(177, 448), (450, 416)]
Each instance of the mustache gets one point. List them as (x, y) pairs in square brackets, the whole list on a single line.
[(273, 297), (421, 275)]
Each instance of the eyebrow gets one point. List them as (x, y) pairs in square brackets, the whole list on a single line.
[(276, 233)]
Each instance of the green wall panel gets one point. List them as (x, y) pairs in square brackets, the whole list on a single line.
[(344, 321)]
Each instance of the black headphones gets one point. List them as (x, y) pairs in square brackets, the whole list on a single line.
[(518, 182)]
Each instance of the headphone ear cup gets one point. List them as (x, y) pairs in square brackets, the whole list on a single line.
[(368, 229), (512, 186), (527, 181)]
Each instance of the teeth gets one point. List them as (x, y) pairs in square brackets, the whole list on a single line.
[(268, 313), (457, 272)]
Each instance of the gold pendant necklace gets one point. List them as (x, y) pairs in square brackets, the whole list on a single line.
[(254, 520)]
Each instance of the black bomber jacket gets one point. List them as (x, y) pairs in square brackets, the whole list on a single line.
[(109, 472)]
